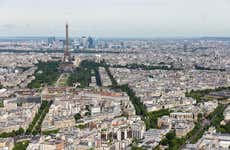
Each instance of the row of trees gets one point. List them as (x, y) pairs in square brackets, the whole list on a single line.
[(114, 82), (175, 143), (46, 73), (37, 129), (35, 126), (48, 132), (1, 86), (207, 68), (200, 94), (82, 126), (216, 117), (138, 105), (1, 103), (98, 77), (14, 133), (136, 101), (150, 118), (146, 67)]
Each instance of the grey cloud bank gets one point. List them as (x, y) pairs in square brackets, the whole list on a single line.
[(116, 18)]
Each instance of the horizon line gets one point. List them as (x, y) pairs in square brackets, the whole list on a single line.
[(115, 37)]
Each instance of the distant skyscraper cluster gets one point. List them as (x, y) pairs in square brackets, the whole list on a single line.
[(81, 43), (51, 40), (86, 42)]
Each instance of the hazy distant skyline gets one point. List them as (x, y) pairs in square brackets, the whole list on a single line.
[(115, 18)]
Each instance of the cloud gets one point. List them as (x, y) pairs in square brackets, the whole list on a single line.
[(116, 17), (14, 26), (8, 26)]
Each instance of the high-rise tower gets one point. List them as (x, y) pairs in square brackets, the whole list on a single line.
[(67, 64), (67, 57)]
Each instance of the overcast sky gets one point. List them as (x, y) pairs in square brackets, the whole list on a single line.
[(115, 18)]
